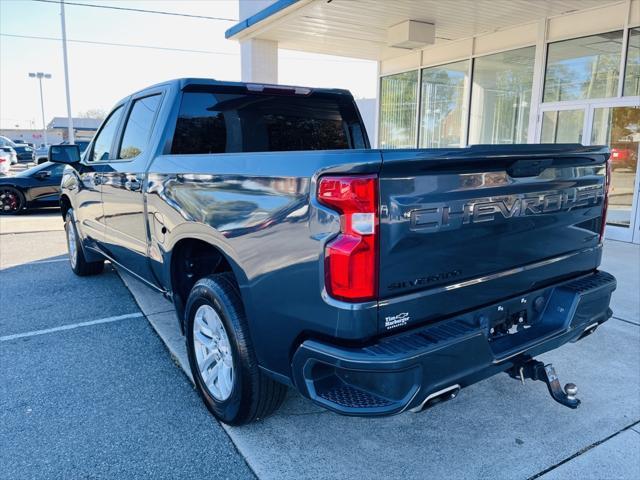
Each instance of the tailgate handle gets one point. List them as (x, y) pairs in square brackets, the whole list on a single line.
[(529, 168)]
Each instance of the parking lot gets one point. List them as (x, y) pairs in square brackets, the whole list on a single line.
[(87, 388), (92, 386)]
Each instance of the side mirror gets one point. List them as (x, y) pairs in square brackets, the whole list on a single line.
[(42, 174), (67, 154)]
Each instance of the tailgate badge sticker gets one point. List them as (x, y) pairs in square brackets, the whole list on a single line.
[(395, 321)]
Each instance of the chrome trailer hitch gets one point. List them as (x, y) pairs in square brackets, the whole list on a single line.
[(536, 370)]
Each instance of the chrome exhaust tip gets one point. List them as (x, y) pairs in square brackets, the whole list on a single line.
[(589, 330), (443, 395)]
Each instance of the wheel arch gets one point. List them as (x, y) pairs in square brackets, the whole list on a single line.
[(65, 205), (192, 256)]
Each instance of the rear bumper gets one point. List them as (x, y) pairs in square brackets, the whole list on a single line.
[(400, 372)]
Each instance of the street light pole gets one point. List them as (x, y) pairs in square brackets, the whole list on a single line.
[(40, 76), (66, 74)]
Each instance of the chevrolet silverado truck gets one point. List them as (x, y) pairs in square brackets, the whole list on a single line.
[(371, 281)]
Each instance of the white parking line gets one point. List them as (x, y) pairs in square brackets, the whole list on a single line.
[(6, 338)]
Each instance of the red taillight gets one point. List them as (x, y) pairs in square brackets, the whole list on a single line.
[(351, 259), (605, 201)]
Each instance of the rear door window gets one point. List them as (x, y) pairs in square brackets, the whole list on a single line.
[(139, 125), (241, 121)]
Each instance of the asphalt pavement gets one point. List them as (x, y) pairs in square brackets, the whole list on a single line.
[(87, 388)]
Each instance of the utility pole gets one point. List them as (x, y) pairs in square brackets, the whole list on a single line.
[(70, 138), (40, 76)]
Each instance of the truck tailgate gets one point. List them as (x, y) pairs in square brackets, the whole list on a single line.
[(466, 227)]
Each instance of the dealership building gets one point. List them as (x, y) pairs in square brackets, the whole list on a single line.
[(462, 72)]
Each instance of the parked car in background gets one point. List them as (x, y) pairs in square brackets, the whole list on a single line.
[(5, 161), (24, 152), (6, 142), (22, 142), (623, 156), (41, 154), (35, 187), (372, 281), (13, 154)]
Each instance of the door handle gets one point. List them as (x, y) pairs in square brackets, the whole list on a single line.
[(133, 185)]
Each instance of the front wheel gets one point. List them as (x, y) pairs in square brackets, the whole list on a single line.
[(11, 201), (221, 355), (77, 260)]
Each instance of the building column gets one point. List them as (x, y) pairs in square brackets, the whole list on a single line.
[(537, 88), (259, 61)]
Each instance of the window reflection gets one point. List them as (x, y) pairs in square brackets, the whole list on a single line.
[(442, 106), (501, 96), (632, 71), (619, 128), (398, 104), (581, 68), (562, 126)]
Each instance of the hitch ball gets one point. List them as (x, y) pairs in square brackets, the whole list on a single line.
[(571, 390)]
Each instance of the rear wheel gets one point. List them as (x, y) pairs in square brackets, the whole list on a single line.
[(221, 355), (11, 200), (77, 260)]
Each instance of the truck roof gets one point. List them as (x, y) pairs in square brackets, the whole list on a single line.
[(182, 83)]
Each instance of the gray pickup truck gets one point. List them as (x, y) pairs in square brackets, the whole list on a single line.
[(372, 281)]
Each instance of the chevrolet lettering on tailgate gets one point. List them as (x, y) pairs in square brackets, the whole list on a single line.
[(455, 215)]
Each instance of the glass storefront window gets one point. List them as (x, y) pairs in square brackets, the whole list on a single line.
[(442, 108), (619, 128), (501, 97), (582, 68), (398, 109), (632, 71), (562, 126)]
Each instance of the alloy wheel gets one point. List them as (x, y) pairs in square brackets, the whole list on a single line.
[(9, 201), (72, 245), (213, 352)]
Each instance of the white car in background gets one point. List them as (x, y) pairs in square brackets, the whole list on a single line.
[(5, 161), (12, 154), (41, 154)]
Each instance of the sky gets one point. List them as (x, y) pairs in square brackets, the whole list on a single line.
[(100, 75)]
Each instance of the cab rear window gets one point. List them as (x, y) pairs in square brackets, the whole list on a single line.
[(242, 121)]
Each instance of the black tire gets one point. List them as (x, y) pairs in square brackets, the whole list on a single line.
[(79, 264), (12, 201), (253, 395)]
